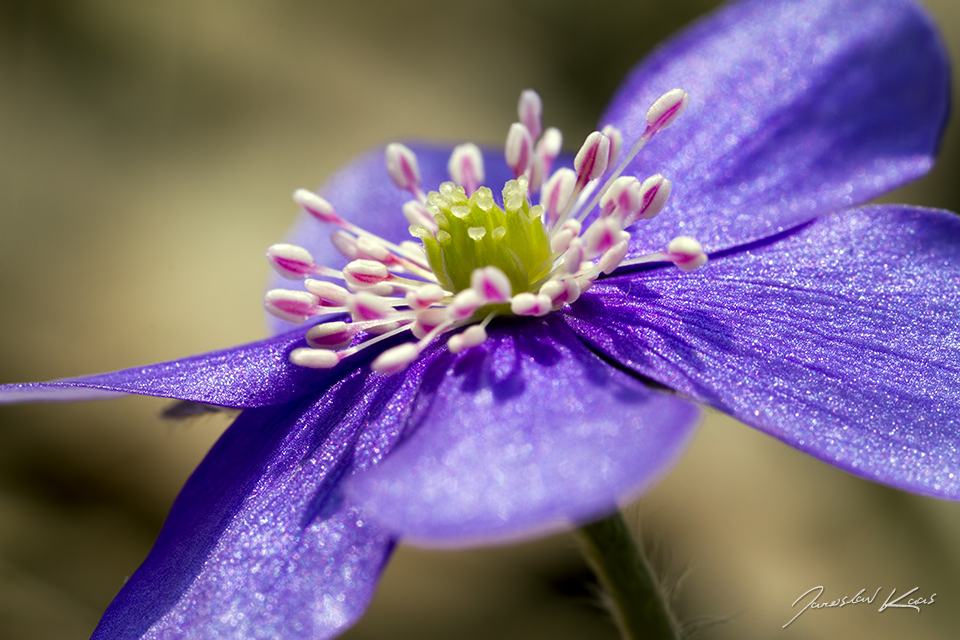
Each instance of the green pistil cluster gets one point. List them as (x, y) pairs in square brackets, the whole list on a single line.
[(475, 233)]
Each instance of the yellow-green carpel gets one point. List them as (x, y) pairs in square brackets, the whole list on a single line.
[(475, 232)]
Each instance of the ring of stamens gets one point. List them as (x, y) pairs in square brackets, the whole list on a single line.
[(477, 259)]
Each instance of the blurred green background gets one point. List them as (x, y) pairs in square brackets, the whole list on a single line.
[(147, 154)]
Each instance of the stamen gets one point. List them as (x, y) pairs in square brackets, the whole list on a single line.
[(686, 253), (424, 296), (530, 110), (292, 306), (518, 149), (403, 168), (616, 141), (466, 169), (472, 336), (346, 244), (591, 161), (365, 273), (416, 213), (666, 109), (655, 192), (295, 263), (602, 235), (556, 194), (427, 322), (549, 146), (330, 294), (491, 284), (332, 335), (315, 358), (623, 199), (367, 306), (531, 304), (464, 304), (613, 257), (396, 359), (316, 206)]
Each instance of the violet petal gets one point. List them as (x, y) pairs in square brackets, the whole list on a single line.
[(841, 338), (522, 435), (797, 108), (261, 543), (251, 375)]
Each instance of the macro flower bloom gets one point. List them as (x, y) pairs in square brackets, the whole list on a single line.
[(833, 329)]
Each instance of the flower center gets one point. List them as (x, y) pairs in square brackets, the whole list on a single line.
[(477, 259)]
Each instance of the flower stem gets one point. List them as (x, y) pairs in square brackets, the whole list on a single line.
[(635, 599)]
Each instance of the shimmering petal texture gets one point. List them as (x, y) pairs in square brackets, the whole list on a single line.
[(528, 433), (251, 375), (798, 108), (261, 542), (841, 338)]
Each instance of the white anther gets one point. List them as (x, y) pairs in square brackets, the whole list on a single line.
[(531, 304), (396, 359), (290, 261), (549, 147), (328, 292), (365, 273), (654, 192), (573, 225), (518, 149), (314, 358), (428, 320), (384, 327), (464, 304), (292, 306), (316, 206), (623, 199), (473, 336), (574, 256), (346, 244), (556, 193), (416, 213), (491, 284), (561, 240), (403, 167), (425, 295), (414, 251), (331, 335), (613, 256), (367, 306), (466, 167), (561, 292), (537, 172), (601, 235), (591, 160), (616, 143), (373, 249), (686, 253), (666, 109), (530, 110)]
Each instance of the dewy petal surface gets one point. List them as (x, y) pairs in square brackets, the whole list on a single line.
[(841, 338), (261, 543), (251, 375), (797, 108), (528, 433)]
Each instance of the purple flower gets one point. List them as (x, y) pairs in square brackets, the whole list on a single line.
[(835, 332)]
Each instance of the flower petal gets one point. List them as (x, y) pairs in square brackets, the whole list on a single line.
[(798, 108), (261, 542), (842, 338), (522, 435), (251, 375)]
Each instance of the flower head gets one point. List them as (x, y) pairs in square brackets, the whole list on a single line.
[(835, 331)]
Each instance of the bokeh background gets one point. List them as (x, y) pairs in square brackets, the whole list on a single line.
[(147, 154)]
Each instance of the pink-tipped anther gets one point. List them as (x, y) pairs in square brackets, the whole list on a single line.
[(574, 255), (425, 295), (518, 149), (466, 167), (530, 111), (548, 148), (602, 235), (666, 109), (372, 249), (367, 306), (473, 336), (362, 274), (330, 295), (291, 262), (531, 304), (561, 292), (561, 240), (292, 306), (464, 304), (403, 167), (491, 283), (416, 213), (331, 335), (591, 161), (396, 359), (557, 192), (616, 143), (686, 253), (613, 256), (346, 244), (655, 191), (316, 206), (623, 199), (427, 321), (315, 358)]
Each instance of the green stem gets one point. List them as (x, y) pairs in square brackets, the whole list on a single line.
[(637, 604)]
